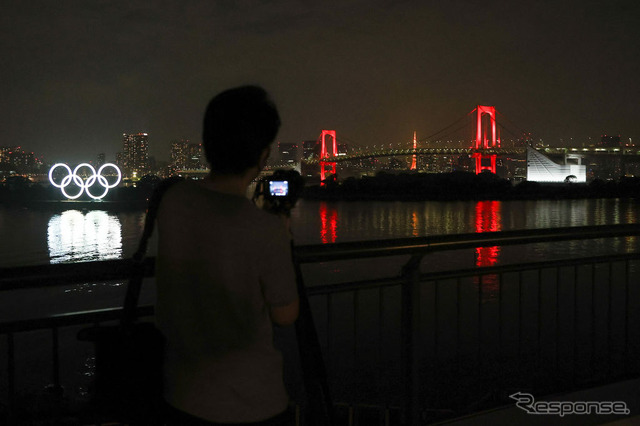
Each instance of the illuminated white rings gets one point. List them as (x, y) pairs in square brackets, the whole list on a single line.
[(82, 184)]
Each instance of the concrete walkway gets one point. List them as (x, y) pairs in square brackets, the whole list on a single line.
[(627, 391)]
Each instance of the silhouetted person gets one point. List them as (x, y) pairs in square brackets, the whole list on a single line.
[(224, 275)]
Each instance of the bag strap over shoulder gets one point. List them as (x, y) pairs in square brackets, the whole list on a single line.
[(135, 282)]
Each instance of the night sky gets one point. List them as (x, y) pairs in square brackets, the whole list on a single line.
[(77, 74)]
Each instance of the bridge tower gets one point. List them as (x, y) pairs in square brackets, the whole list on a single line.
[(324, 153), (414, 159), (482, 142)]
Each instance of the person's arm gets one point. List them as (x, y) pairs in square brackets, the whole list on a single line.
[(285, 315)]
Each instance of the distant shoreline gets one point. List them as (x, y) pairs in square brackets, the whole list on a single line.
[(463, 186), (50, 198), (454, 186), (62, 205)]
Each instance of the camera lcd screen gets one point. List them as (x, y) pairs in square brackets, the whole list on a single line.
[(279, 188)]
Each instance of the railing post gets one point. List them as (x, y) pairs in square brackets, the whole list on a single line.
[(409, 325), (11, 373), (55, 347), (314, 373)]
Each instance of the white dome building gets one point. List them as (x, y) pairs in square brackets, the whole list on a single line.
[(542, 169)]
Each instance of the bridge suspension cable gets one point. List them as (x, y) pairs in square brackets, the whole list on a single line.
[(449, 126), (457, 129), (515, 134), (518, 129)]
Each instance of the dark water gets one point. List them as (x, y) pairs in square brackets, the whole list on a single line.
[(39, 236), (319, 222), (36, 237)]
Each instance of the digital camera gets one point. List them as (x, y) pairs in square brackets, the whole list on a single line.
[(278, 188), (279, 192)]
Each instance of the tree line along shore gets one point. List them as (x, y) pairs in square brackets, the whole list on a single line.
[(454, 186), (460, 186)]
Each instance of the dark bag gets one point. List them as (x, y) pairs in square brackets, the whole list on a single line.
[(129, 355), (128, 375)]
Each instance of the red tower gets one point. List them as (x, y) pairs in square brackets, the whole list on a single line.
[(482, 142), (415, 145), (327, 166)]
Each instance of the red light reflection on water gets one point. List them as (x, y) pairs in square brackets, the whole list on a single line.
[(488, 219), (328, 223), (414, 224)]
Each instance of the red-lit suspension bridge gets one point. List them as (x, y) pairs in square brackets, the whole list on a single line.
[(484, 149)]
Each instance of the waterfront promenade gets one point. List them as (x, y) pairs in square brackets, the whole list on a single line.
[(412, 347)]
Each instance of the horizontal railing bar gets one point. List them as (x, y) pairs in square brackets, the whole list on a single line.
[(318, 290), (70, 318), (24, 277), (111, 314), (27, 277), (469, 272), (403, 246), (429, 276), (517, 267)]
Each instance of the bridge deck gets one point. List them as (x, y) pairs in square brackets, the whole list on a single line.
[(631, 151)]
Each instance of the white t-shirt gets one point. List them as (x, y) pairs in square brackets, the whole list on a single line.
[(221, 263)]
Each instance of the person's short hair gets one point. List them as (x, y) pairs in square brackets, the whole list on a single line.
[(239, 124)]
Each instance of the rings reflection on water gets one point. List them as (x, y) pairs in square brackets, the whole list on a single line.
[(74, 236), (84, 185)]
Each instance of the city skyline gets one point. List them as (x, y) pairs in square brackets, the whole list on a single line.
[(168, 156), (78, 75)]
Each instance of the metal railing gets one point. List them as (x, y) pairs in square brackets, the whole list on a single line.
[(559, 324)]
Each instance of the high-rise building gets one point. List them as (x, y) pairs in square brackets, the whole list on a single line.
[(120, 160), (288, 152), (187, 156), (5, 152), (310, 149), (19, 160), (101, 159), (178, 159), (195, 157), (135, 154)]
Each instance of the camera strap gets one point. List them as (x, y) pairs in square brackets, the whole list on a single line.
[(138, 267)]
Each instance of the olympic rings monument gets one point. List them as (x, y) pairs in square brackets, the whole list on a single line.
[(95, 177)]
